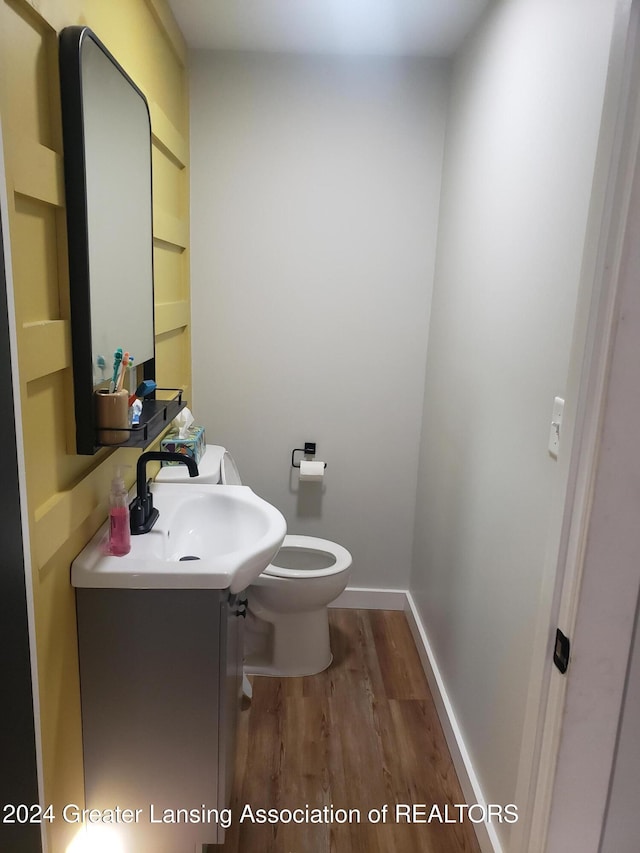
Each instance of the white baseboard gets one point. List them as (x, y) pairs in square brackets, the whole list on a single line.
[(487, 837), (356, 598)]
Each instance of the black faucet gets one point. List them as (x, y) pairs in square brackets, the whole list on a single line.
[(142, 513)]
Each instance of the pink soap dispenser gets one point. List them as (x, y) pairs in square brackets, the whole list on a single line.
[(119, 531)]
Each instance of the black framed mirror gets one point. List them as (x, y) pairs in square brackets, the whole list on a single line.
[(107, 163)]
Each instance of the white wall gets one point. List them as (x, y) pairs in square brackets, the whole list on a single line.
[(520, 153), (314, 211)]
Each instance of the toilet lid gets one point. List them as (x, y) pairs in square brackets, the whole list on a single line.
[(342, 558)]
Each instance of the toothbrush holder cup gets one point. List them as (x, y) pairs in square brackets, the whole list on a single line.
[(112, 416)]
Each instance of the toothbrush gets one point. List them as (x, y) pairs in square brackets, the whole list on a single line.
[(101, 364), (129, 367), (132, 375), (123, 366), (117, 358)]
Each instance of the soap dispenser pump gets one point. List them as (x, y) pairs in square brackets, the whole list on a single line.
[(119, 532)]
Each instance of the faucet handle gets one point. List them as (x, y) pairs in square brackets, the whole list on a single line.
[(136, 515), (142, 514)]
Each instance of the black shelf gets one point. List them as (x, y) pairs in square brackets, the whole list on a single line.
[(156, 416)]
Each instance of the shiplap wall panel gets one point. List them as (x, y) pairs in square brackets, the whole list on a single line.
[(167, 136), (38, 172), (170, 272), (66, 493), (168, 183), (26, 44), (35, 264), (169, 347)]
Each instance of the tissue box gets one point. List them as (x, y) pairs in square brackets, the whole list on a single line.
[(192, 445)]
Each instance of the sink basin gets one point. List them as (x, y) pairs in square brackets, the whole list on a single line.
[(206, 537)]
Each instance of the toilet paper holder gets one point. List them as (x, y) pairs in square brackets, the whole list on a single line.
[(309, 449)]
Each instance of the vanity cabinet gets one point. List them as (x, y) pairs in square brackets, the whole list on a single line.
[(161, 685)]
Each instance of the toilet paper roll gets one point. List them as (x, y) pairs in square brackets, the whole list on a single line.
[(311, 470)]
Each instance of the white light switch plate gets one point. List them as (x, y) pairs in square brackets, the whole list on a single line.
[(556, 426)]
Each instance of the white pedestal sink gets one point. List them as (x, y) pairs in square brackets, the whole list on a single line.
[(232, 533)]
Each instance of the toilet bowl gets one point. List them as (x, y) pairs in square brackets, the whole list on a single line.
[(287, 631), (291, 596)]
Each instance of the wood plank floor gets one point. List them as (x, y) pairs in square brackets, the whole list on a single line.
[(362, 734)]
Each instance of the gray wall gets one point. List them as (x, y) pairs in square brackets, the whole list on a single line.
[(314, 218), (520, 152)]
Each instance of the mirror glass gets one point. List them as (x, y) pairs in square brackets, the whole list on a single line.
[(107, 143), (119, 228)]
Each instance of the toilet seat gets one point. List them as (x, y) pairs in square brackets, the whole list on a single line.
[(342, 558)]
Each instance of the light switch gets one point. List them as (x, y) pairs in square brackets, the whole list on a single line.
[(556, 426)]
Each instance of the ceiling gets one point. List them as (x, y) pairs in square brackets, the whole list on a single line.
[(378, 27)]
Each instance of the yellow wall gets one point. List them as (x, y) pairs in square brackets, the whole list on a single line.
[(66, 492)]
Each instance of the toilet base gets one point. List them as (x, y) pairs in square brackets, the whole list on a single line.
[(297, 644)]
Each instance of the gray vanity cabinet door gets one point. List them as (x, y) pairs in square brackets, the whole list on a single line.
[(150, 679)]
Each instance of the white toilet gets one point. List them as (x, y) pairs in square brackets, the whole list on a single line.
[(287, 630)]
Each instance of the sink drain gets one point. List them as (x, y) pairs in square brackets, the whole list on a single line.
[(188, 557)]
